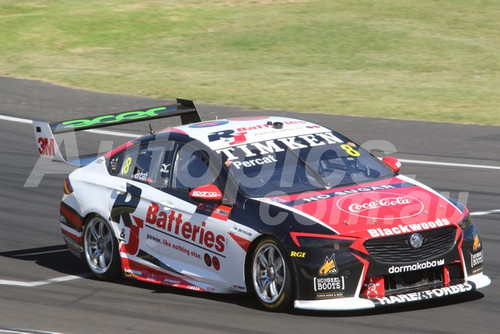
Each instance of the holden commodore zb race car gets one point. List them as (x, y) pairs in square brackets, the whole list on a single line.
[(288, 210)]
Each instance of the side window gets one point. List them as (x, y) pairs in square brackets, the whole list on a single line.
[(191, 168), (143, 165), (153, 163), (149, 163)]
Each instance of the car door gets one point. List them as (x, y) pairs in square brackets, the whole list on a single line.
[(140, 207), (195, 233)]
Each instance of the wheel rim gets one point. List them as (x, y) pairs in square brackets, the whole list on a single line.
[(99, 245), (269, 273)]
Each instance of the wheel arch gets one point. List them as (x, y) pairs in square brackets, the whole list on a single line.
[(249, 255)]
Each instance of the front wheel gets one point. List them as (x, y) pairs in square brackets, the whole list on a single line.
[(270, 277), (101, 249)]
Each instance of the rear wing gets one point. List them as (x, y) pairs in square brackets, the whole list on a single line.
[(45, 132)]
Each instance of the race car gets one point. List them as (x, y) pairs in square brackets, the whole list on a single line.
[(288, 210)]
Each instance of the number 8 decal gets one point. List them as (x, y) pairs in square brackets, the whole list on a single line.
[(350, 150), (126, 167)]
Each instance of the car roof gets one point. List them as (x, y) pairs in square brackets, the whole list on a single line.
[(223, 133)]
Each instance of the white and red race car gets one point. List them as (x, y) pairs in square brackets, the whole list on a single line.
[(286, 209)]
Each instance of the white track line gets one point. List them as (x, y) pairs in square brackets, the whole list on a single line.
[(484, 213), (16, 119), (24, 331), (448, 164), (44, 282)]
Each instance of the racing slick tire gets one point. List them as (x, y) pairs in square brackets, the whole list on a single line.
[(101, 249), (269, 275)]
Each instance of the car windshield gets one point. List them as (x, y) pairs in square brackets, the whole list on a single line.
[(300, 164)]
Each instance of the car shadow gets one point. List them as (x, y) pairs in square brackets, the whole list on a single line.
[(240, 299), (59, 259)]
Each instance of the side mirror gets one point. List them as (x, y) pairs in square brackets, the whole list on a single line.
[(208, 193), (393, 163)]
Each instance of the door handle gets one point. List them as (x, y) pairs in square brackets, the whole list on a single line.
[(120, 189), (168, 204)]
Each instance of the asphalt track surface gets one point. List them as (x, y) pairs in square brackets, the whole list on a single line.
[(43, 288)]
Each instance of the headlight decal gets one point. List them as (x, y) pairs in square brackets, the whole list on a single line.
[(466, 221), (314, 240)]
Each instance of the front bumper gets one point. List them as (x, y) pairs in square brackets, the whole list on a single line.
[(389, 271), (472, 283)]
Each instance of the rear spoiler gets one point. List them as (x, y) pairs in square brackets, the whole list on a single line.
[(45, 132)]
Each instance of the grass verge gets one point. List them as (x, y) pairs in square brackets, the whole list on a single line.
[(427, 60)]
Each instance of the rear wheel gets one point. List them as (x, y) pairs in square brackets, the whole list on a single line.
[(270, 278), (101, 249)]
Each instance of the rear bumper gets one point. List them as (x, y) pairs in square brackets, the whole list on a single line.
[(472, 283)]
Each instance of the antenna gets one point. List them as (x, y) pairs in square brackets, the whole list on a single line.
[(151, 131)]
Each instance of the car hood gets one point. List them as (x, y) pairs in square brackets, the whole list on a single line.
[(388, 207)]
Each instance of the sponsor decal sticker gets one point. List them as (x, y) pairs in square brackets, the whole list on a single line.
[(269, 146), (132, 273), (424, 295), (415, 266), (181, 249), (208, 259), (326, 194), (298, 254), (390, 201), (169, 281), (78, 123), (401, 229), (476, 259), (216, 263), (173, 224), (164, 168), (373, 287), (221, 213), (233, 137), (255, 162), (329, 267), (373, 205), (46, 146), (228, 136), (152, 237), (212, 261), (347, 192), (273, 199), (239, 287), (329, 284), (142, 176), (206, 194), (477, 243)]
